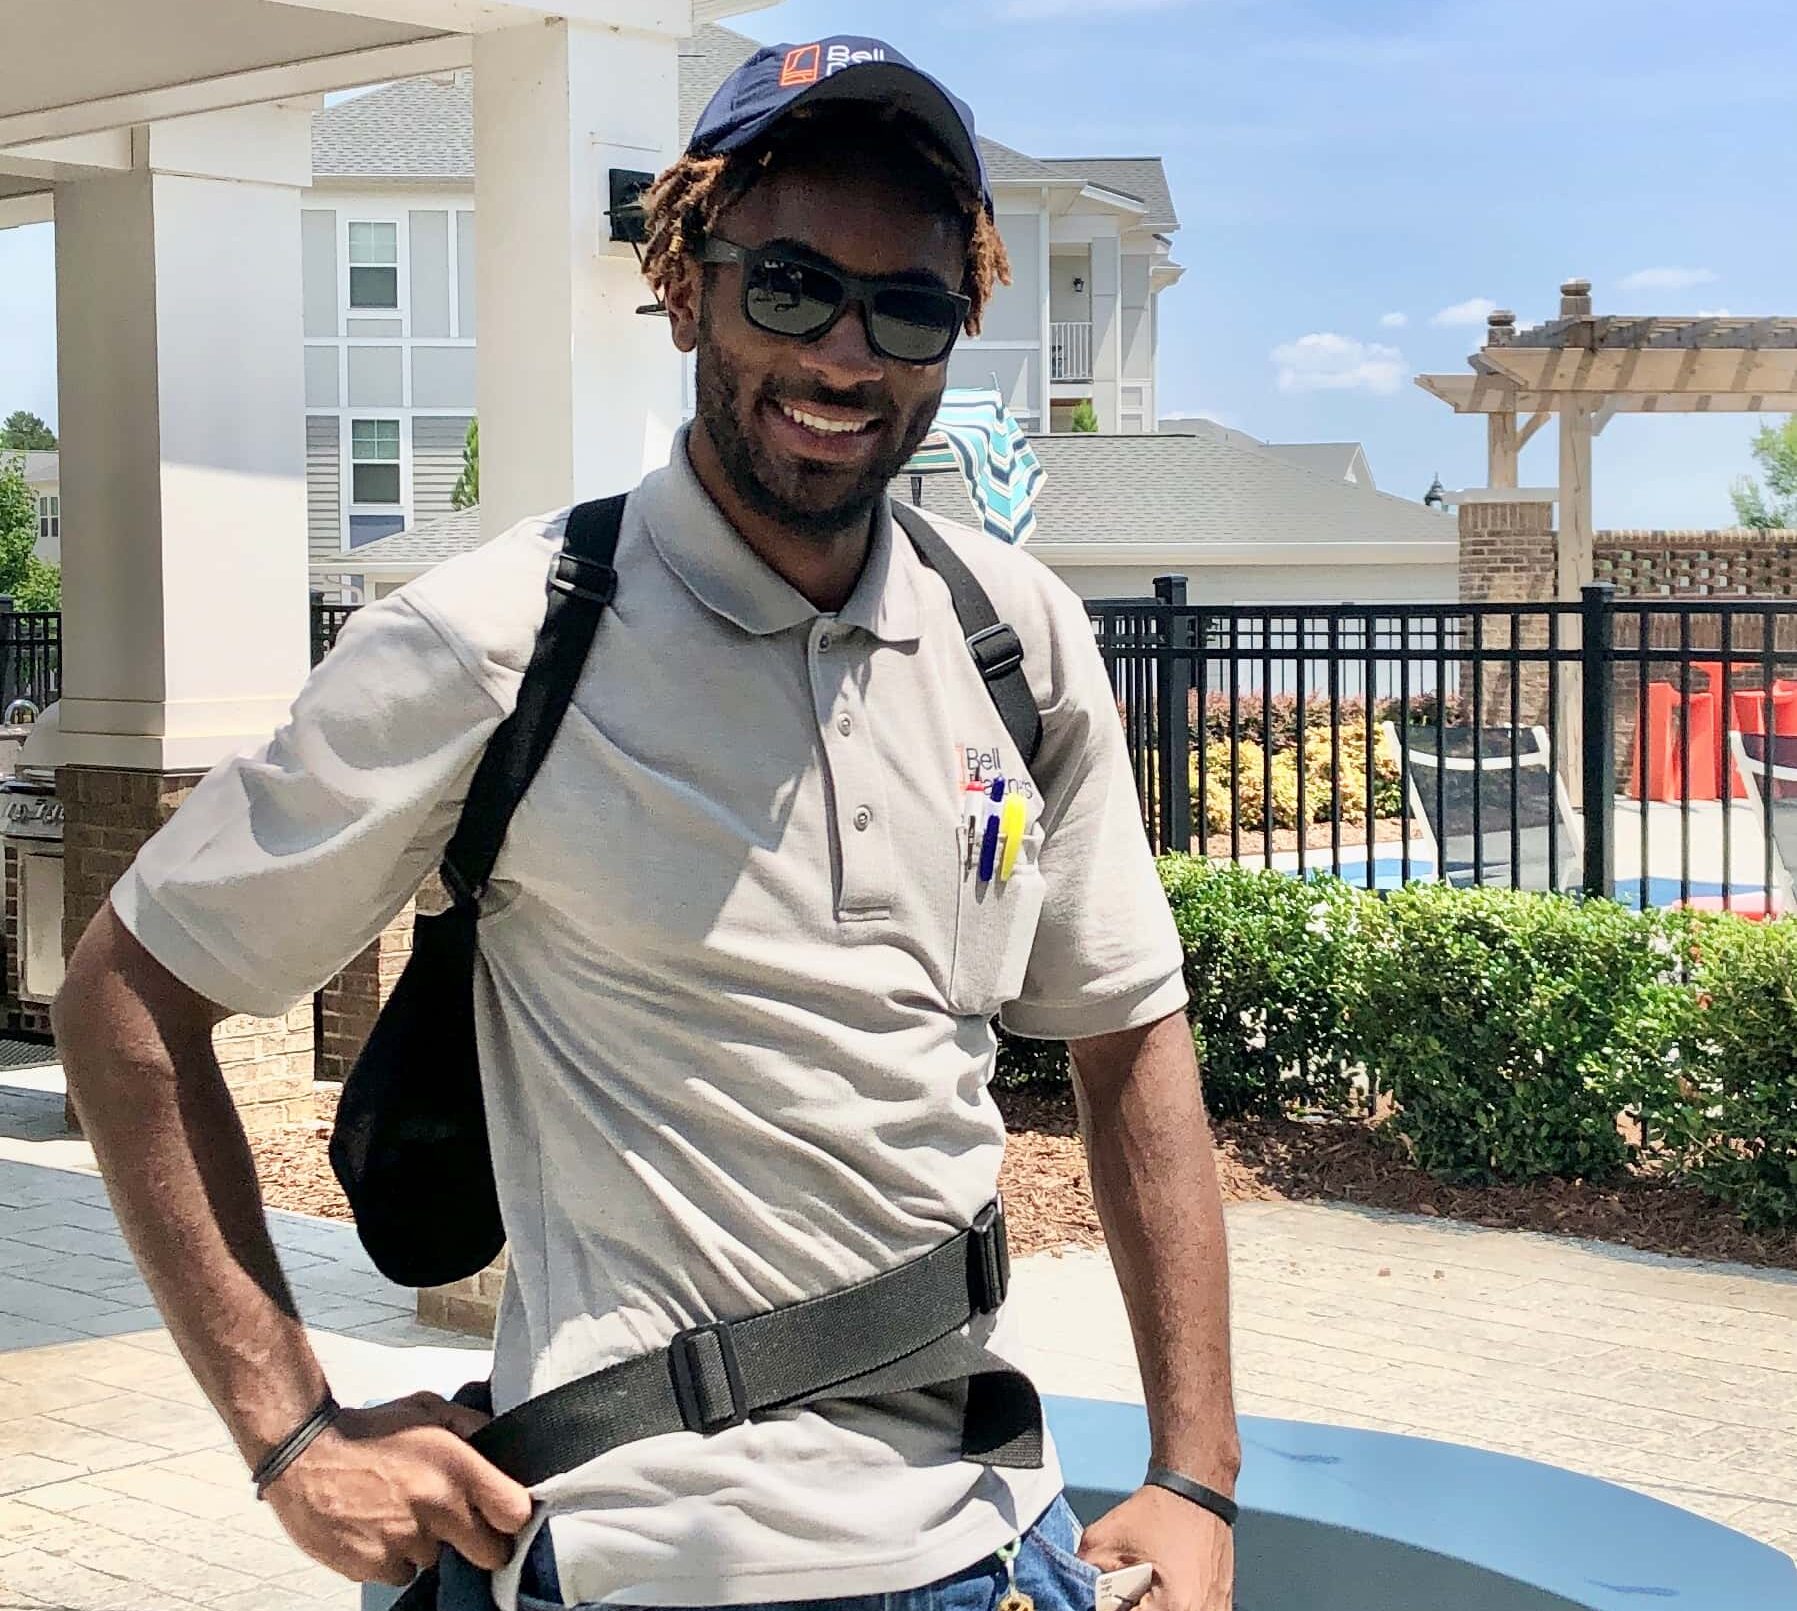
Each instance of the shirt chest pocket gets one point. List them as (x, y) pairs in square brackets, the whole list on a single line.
[(995, 930)]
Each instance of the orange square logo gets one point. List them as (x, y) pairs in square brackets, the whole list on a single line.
[(802, 66)]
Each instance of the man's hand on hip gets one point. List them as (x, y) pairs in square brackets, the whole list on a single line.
[(1193, 1551), (378, 1493)]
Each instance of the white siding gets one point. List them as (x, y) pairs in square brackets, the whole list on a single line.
[(324, 488), (375, 377), (1271, 584), (436, 463), (1015, 311), (430, 272), (443, 377), (464, 270), (318, 270)]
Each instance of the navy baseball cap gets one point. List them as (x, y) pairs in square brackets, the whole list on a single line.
[(778, 78)]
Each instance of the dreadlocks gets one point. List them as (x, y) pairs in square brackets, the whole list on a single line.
[(685, 203)]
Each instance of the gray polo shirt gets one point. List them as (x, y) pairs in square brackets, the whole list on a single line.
[(735, 985)]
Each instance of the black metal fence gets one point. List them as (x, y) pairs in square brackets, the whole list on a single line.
[(30, 657), (327, 622), (1641, 747)]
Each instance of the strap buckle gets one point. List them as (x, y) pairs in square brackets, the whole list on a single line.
[(584, 578), (695, 1365), (988, 1260), (996, 650)]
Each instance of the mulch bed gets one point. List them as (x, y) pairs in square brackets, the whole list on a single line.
[(1048, 1201)]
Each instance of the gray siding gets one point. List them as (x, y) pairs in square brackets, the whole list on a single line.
[(1015, 312), (321, 377), (443, 377), (1066, 305), (430, 272), (318, 270), (374, 327), (374, 377), (1014, 369), (324, 488), (464, 264), (436, 463)]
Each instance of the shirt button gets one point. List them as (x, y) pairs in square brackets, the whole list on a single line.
[(823, 644), (845, 725), (863, 820)]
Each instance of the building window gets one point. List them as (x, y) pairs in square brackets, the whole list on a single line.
[(374, 461), (374, 265), (49, 518)]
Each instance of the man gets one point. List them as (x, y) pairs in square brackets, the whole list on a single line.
[(738, 963)]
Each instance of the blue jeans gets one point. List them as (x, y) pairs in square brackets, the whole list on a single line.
[(1048, 1571)]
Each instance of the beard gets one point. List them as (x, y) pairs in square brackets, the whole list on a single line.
[(818, 502)]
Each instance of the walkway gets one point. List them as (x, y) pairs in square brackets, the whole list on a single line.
[(119, 1490)]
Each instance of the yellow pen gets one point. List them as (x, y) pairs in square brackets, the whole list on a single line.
[(1012, 822)]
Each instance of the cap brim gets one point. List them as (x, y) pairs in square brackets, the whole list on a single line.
[(904, 89)]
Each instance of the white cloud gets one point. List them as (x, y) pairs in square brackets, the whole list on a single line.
[(1474, 310), (1667, 279), (1714, 313), (1394, 321), (1325, 362), (1042, 10)]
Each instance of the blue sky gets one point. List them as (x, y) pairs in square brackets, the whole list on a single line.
[(1341, 167)]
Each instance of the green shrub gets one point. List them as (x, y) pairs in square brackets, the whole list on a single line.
[(1743, 1061), (1513, 1029), (1025, 1065), (1272, 964)]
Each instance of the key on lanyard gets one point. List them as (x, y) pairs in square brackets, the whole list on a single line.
[(1013, 1599)]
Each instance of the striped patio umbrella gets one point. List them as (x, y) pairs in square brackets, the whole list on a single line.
[(975, 434)]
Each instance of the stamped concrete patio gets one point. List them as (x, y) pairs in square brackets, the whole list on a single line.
[(118, 1488)]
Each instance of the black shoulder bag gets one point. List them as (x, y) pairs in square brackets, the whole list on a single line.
[(410, 1144)]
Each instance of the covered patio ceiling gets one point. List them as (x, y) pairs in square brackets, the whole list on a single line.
[(77, 67)]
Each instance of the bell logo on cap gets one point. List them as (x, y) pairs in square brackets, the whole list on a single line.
[(808, 63), (803, 66)]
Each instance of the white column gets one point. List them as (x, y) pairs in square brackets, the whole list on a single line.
[(1501, 449), (578, 393), (1577, 564), (181, 401), (1107, 330), (1045, 359)]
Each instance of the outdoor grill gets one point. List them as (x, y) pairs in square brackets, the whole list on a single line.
[(33, 835)]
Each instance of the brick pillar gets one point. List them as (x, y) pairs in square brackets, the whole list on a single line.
[(109, 813), (1509, 555), (350, 1003), (471, 1306)]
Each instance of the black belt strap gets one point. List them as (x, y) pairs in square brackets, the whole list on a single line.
[(995, 647), (893, 1333)]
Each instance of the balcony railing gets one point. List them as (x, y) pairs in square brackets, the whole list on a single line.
[(1070, 351)]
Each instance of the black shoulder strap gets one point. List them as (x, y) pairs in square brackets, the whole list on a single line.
[(995, 647), (581, 585)]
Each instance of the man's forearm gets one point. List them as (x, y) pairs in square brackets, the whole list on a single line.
[(1154, 1179), (137, 1050)]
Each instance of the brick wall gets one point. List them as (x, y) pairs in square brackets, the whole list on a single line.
[(109, 814), (350, 1003), (1509, 554), (471, 1306), (1687, 564)]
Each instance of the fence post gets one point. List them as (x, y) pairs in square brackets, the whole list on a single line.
[(1173, 696), (1597, 631)]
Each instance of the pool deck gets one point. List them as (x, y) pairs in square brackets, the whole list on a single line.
[(119, 1490)]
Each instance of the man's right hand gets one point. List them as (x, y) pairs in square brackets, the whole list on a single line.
[(375, 1495)]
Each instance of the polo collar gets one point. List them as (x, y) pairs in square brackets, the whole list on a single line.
[(700, 546)]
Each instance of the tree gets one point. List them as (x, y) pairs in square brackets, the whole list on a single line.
[(1085, 418), (465, 494), (25, 432), (33, 584), (1774, 506)]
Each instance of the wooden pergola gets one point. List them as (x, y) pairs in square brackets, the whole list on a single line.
[(1585, 369)]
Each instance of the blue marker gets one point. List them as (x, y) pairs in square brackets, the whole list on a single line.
[(989, 842)]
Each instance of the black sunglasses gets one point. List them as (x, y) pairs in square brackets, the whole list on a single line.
[(786, 292)]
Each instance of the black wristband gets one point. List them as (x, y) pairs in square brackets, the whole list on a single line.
[(291, 1447), (1219, 1505)]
